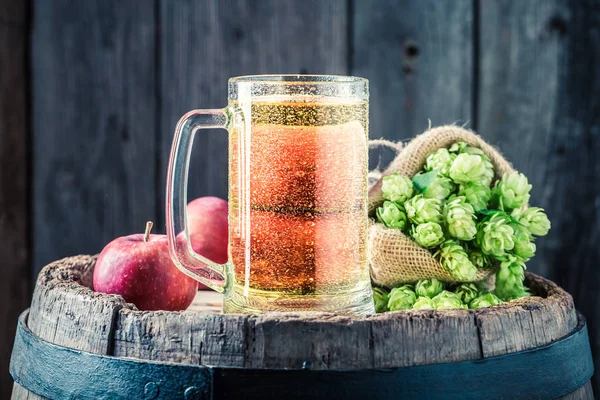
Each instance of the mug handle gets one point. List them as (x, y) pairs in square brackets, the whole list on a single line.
[(185, 258)]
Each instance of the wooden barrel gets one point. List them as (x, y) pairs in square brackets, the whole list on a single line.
[(530, 348)]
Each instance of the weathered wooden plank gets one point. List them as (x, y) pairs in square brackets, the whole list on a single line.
[(418, 58), (14, 172), (93, 66), (533, 321), (205, 43), (583, 393), (520, 62), (455, 338), (58, 372), (14, 14), (325, 341), (185, 337), (20, 393), (65, 312), (538, 102)]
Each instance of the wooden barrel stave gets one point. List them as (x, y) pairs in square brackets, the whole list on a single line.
[(63, 303)]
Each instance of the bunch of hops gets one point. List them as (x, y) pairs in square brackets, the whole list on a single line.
[(432, 294), (467, 222)]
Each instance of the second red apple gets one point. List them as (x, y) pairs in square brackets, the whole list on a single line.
[(207, 225)]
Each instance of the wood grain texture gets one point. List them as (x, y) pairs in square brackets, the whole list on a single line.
[(63, 292), (71, 314), (14, 178), (418, 58), (583, 393), (455, 338), (65, 311), (271, 340), (58, 372), (181, 337), (521, 57), (538, 102), (533, 322), (202, 44), (20, 393), (94, 103)]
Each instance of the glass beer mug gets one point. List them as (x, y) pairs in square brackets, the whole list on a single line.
[(297, 195)]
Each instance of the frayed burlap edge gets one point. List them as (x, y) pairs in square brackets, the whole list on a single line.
[(394, 257)]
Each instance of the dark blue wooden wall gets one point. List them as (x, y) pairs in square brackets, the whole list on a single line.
[(90, 92)]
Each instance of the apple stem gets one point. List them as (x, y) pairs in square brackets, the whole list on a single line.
[(148, 229)]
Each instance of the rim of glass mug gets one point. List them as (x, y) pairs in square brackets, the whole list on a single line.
[(322, 86)]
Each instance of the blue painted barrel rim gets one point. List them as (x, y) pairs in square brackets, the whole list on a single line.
[(58, 372)]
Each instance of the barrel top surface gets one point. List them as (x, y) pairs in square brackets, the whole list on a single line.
[(67, 312), (47, 369)]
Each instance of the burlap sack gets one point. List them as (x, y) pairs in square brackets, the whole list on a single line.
[(394, 257)]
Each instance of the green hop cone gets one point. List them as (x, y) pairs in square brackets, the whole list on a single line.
[(485, 300), (423, 303), (472, 168), (441, 188), (392, 215), (475, 151), (510, 192), (446, 300), (480, 260), (460, 219), (477, 196), (466, 292), (421, 210), (458, 147), (441, 160), (429, 288), (534, 218), (510, 277), (402, 298), (397, 188), (464, 148), (495, 235), (524, 246), (429, 234), (381, 298), (454, 258)]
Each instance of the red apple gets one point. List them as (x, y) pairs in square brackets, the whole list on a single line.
[(139, 268), (207, 225)]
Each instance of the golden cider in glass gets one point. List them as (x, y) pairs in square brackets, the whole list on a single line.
[(303, 230)]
